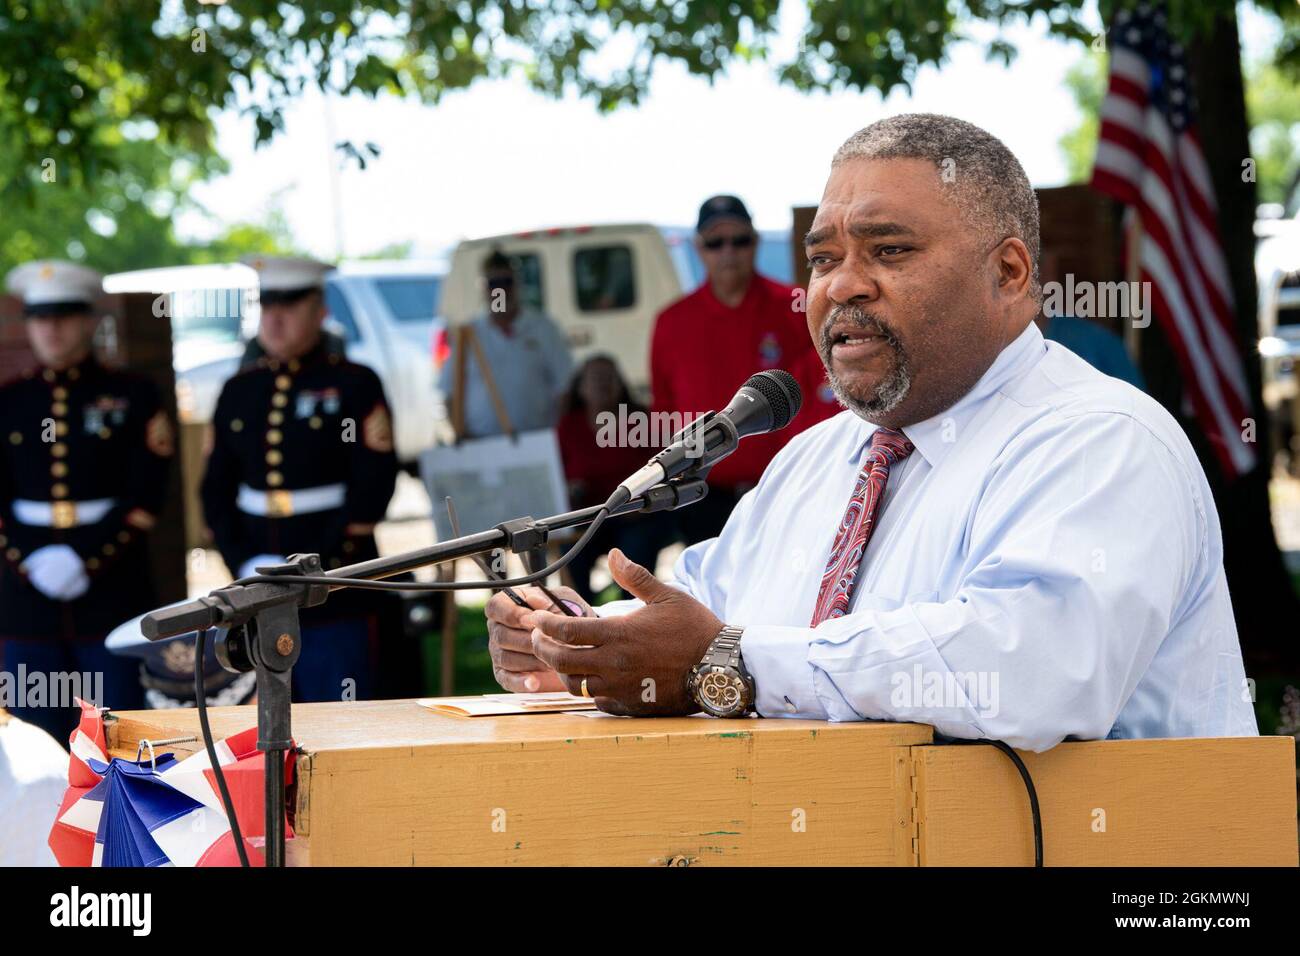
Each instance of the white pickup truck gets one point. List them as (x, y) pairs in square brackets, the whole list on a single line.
[(603, 285), (1277, 269), (385, 312)]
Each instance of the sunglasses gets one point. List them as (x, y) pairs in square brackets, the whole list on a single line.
[(736, 242)]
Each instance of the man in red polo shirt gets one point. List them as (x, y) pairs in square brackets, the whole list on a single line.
[(707, 343)]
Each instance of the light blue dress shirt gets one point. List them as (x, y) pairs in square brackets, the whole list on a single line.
[(531, 367), (1047, 564)]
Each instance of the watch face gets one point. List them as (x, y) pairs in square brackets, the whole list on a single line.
[(720, 693)]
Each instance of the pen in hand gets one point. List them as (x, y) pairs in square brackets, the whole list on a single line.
[(511, 593)]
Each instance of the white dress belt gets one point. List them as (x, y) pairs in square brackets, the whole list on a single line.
[(61, 514), (282, 503)]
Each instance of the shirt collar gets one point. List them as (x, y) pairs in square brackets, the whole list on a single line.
[(935, 437)]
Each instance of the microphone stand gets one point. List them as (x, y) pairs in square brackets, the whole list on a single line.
[(263, 633)]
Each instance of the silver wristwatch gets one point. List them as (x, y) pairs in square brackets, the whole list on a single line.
[(719, 683)]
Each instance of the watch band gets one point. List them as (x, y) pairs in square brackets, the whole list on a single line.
[(723, 658)]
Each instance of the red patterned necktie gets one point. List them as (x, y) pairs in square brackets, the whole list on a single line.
[(887, 446)]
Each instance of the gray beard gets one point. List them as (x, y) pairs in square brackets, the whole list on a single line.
[(890, 393)]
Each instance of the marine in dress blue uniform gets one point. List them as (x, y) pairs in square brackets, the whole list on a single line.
[(84, 454), (300, 460)]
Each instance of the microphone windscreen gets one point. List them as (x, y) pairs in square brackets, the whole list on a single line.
[(782, 392)]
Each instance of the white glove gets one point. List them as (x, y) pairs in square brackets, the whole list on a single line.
[(58, 572), (250, 566)]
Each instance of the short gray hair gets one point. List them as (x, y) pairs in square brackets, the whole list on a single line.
[(987, 182)]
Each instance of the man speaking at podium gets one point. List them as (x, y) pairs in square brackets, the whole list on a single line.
[(994, 538)]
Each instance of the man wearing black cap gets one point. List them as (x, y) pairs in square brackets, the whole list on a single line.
[(707, 343), (301, 460), (84, 453)]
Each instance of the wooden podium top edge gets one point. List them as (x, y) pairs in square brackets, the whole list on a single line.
[(404, 724)]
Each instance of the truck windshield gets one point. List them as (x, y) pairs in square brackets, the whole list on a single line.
[(411, 299)]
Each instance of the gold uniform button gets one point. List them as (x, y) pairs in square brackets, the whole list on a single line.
[(92, 563), (59, 409), (282, 382), (109, 549), (59, 490), (105, 432), (273, 436), (59, 450), (3, 541), (48, 375), (124, 536), (276, 417), (15, 438), (348, 547), (274, 478), (60, 393), (13, 554), (60, 428), (74, 374), (273, 457), (315, 421), (236, 425), (294, 365), (279, 399), (58, 469)]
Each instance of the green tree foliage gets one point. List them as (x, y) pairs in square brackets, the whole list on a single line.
[(1273, 102), (73, 71)]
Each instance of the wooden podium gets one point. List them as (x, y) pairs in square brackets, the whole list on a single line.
[(393, 783)]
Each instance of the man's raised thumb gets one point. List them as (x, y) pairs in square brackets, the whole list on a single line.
[(633, 578)]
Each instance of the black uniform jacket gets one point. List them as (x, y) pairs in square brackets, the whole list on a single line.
[(309, 423), (83, 434)]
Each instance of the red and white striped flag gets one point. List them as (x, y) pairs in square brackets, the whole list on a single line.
[(1149, 157)]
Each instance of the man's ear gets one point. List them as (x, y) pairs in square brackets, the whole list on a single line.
[(1015, 269)]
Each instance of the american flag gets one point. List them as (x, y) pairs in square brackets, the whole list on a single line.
[(1149, 157)]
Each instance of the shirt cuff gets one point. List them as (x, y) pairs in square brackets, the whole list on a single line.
[(786, 685), (619, 608)]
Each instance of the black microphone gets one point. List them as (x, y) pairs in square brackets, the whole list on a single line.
[(768, 401)]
